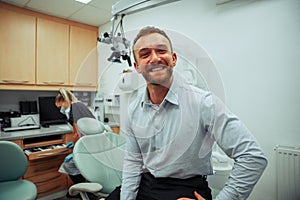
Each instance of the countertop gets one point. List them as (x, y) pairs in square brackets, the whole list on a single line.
[(51, 130)]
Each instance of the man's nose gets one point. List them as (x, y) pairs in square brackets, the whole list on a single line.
[(154, 56)]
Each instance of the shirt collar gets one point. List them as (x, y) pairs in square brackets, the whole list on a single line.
[(170, 97)]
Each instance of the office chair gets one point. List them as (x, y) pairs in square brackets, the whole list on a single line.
[(13, 166), (99, 159)]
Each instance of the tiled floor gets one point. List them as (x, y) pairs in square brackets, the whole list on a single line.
[(61, 195), (65, 198)]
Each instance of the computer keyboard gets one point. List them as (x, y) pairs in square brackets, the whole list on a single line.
[(20, 128)]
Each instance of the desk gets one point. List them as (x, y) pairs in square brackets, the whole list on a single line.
[(52, 130)]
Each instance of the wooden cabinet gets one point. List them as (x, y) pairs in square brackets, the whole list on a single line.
[(42, 52), (52, 52), (83, 57), (17, 49), (44, 173), (43, 165)]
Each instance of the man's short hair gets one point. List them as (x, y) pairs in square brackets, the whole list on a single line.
[(149, 30)]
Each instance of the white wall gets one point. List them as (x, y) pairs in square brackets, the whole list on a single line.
[(256, 49)]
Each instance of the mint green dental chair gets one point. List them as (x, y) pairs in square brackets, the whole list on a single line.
[(90, 126), (99, 158), (13, 166)]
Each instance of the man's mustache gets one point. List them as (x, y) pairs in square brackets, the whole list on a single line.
[(150, 67)]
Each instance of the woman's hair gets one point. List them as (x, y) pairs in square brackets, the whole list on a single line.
[(66, 96)]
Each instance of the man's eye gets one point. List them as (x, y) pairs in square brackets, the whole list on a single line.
[(161, 51), (144, 55)]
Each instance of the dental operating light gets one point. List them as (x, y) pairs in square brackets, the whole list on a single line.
[(120, 45)]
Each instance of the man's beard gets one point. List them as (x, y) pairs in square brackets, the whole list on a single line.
[(158, 80)]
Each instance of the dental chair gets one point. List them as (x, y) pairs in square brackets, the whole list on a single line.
[(13, 166), (90, 126), (86, 126), (99, 158)]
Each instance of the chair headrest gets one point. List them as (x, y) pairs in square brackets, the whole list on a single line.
[(13, 161), (90, 126)]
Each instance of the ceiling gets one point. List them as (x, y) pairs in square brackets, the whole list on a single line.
[(95, 13)]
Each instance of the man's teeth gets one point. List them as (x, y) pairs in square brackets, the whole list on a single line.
[(157, 69)]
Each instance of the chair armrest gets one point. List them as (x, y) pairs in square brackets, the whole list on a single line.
[(85, 187)]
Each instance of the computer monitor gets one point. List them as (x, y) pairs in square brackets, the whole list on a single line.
[(49, 113)]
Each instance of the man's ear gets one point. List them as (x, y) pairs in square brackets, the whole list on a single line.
[(174, 59), (136, 67)]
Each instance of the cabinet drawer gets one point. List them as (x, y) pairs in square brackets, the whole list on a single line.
[(46, 178), (55, 183), (48, 153), (39, 167)]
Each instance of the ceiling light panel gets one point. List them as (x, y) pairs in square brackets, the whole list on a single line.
[(83, 1)]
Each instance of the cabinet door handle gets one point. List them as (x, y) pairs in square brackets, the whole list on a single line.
[(50, 179), (53, 82), (15, 81), (44, 169), (83, 84), (50, 189), (54, 153)]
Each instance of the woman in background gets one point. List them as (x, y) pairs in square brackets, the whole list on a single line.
[(74, 110)]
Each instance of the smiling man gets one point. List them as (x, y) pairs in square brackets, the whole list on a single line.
[(170, 131), (155, 60)]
